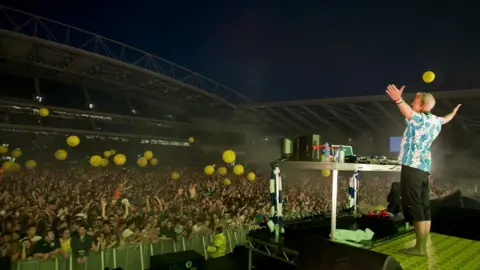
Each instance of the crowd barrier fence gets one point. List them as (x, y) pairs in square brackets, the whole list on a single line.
[(134, 256)]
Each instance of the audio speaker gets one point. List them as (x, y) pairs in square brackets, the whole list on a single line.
[(303, 149), (287, 148), (320, 253), (456, 215), (177, 261), (383, 227)]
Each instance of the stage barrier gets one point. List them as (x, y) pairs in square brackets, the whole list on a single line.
[(133, 256)]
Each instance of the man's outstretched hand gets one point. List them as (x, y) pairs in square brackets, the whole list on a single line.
[(395, 93), (447, 118), (457, 107)]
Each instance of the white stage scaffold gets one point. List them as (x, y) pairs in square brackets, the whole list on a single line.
[(275, 223), (352, 190)]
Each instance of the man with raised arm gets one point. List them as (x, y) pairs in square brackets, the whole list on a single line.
[(415, 157)]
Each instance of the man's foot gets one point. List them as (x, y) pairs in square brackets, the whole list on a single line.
[(415, 252)]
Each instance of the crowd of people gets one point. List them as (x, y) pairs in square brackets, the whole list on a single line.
[(74, 210)]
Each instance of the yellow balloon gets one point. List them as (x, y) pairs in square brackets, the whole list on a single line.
[(222, 171), (379, 208), (238, 170), (227, 182), (73, 141), (119, 159), (61, 154), (326, 173), (7, 165), (43, 112), (428, 76), (191, 140), (142, 162), (228, 156), (3, 149), (153, 162), (96, 160), (105, 162), (209, 170), (251, 176), (113, 151), (175, 175), (16, 153), (148, 154), (16, 167), (30, 164), (107, 154)]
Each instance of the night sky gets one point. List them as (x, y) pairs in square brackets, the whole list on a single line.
[(270, 50)]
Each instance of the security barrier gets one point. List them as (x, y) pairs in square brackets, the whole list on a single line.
[(133, 256)]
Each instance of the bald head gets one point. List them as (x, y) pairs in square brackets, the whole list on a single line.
[(428, 102), (423, 102)]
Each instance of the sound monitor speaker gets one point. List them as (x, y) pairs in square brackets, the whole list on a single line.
[(383, 227), (304, 148), (456, 215), (324, 254), (177, 261)]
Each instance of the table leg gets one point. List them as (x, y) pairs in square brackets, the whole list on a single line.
[(333, 225), (355, 195)]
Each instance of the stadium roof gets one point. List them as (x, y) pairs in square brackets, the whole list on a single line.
[(374, 113), (35, 46)]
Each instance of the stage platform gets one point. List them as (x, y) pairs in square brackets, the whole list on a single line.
[(454, 243), (444, 253)]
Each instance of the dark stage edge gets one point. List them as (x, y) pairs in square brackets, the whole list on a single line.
[(444, 253)]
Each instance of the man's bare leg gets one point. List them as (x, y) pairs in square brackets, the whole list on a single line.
[(422, 230), (428, 225)]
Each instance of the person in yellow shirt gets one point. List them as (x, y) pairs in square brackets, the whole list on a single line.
[(219, 246), (65, 247)]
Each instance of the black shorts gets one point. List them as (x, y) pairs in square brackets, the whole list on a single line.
[(415, 192)]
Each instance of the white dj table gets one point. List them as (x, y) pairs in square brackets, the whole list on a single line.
[(335, 168)]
